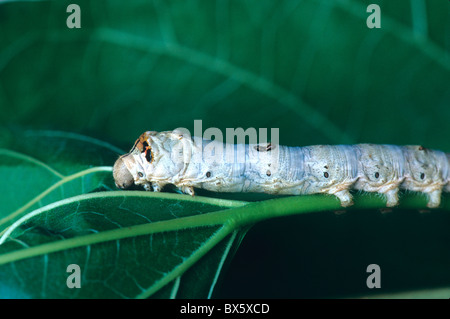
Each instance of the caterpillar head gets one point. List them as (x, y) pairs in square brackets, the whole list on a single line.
[(122, 175), (152, 162), (130, 169)]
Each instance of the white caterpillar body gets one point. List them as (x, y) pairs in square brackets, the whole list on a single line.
[(173, 157)]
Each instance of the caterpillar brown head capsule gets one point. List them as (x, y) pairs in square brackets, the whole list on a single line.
[(174, 157), (122, 175)]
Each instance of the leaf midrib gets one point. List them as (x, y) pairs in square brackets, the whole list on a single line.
[(236, 215), (112, 194)]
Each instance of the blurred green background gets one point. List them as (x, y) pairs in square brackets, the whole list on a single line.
[(311, 68)]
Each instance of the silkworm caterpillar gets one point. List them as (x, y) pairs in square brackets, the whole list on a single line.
[(173, 157)]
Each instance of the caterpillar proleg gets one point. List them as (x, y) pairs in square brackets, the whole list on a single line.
[(174, 157)]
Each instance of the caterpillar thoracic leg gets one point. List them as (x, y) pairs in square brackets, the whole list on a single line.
[(174, 157)]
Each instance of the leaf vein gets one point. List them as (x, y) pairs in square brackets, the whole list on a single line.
[(254, 81), (31, 159)]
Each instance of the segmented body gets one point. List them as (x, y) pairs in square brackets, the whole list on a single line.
[(173, 157)]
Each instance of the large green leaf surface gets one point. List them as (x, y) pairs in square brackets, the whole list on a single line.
[(119, 259), (311, 68), (42, 167), (86, 224)]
